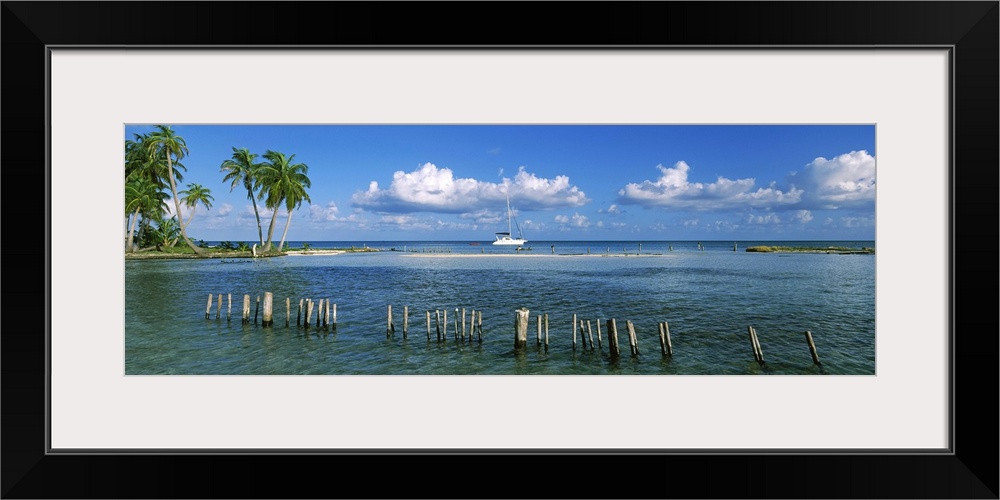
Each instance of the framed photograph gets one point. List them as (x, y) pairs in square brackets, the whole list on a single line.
[(695, 147)]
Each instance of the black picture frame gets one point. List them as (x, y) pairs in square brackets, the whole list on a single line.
[(970, 470)]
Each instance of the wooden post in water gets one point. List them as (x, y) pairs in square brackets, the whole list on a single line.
[(298, 319), (309, 312), (538, 335), (663, 340), (456, 325), (812, 347), (218, 312), (208, 308), (463, 327), (633, 345), (521, 328), (288, 311), (406, 320), (444, 332), (437, 323), (389, 329), (574, 332), (428, 325), (334, 317), (583, 337), (326, 318), (229, 307), (256, 311), (480, 326), (319, 313), (546, 332), (758, 356), (666, 331), (590, 334), (760, 352), (598, 324), (613, 349), (268, 309), (246, 308)]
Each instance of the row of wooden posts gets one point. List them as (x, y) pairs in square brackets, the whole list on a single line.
[(440, 324), (586, 334), (323, 316)]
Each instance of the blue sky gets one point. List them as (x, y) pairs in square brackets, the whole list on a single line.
[(566, 182)]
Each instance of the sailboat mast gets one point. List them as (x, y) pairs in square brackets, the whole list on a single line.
[(508, 217)]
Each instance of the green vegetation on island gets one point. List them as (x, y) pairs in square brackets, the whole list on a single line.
[(153, 170), (834, 250)]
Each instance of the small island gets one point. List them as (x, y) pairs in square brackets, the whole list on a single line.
[(832, 250)]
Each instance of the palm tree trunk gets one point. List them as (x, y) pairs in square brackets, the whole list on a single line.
[(131, 231), (185, 225), (270, 230), (287, 223), (177, 204), (260, 234)]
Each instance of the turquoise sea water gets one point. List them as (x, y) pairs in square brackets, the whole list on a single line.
[(708, 297)]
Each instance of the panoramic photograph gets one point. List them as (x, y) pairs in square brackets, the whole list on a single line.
[(461, 250)]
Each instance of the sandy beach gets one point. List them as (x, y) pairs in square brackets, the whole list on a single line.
[(314, 252)]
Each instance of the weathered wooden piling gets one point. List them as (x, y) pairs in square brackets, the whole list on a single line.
[(298, 319), (546, 332), (389, 327), (218, 312), (574, 332), (246, 309), (665, 346), (663, 340), (208, 308), (613, 350), (670, 345), (758, 354), (229, 307), (583, 337), (406, 320), (598, 324), (437, 323), (288, 311), (463, 326), (812, 347), (319, 313), (479, 326), (326, 317), (444, 333), (538, 335), (590, 334), (521, 328), (335, 317), (268, 309), (428, 325), (309, 312), (632, 341), (256, 311)]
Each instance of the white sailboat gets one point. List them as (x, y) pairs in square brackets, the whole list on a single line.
[(504, 238)]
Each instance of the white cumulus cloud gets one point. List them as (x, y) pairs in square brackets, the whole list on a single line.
[(673, 189), (847, 180), (433, 189)]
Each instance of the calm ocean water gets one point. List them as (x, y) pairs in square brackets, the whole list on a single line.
[(708, 297)]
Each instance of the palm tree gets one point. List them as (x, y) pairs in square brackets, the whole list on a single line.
[(165, 141), (142, 197), (282, 182), (242, 169), (141, 159), (194, 194)]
